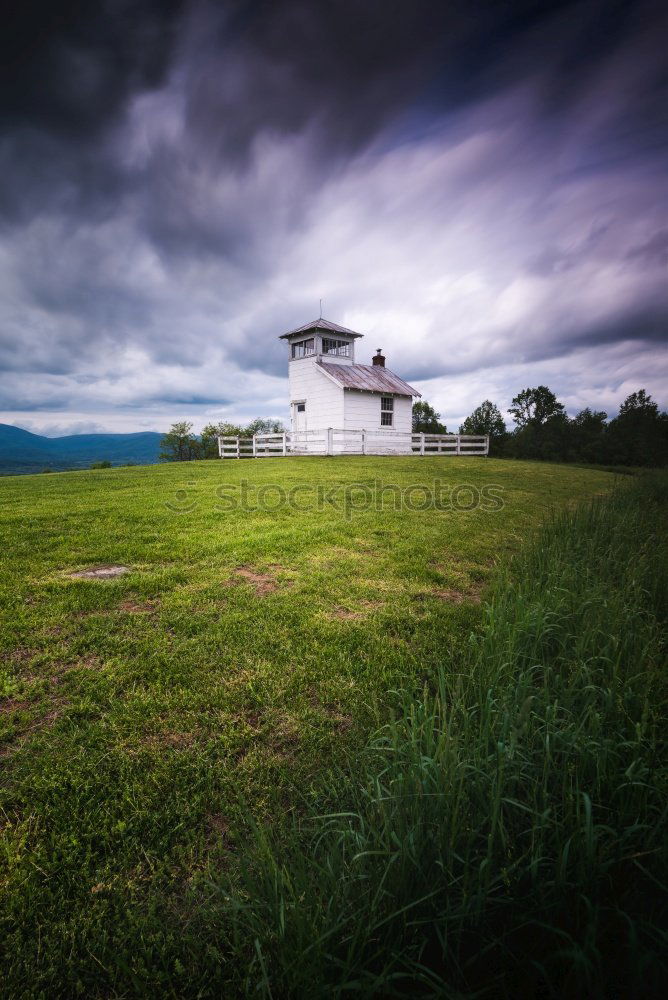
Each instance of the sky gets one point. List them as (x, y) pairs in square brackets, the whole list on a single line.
[(481, 189)]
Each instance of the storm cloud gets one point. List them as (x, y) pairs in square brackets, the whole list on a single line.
[(479, 188)]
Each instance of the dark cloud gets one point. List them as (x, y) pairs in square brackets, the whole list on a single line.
[(67, 67), (475, 184), (646, 325)]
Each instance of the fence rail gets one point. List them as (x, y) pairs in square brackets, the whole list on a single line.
[(337, 441)]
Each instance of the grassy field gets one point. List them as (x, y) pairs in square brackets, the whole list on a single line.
[(504, 833), (144, 719)]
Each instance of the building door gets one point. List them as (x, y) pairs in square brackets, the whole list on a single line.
[(299, 419)]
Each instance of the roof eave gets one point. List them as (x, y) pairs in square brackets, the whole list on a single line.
[(314, 329), (381, 392), (320, 324)]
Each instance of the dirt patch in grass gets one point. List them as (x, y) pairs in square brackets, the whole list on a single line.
[(62, 667), (137, 607), (11, 705), (87, 663), (262, 583), (450, 596), (54, 631), (26, 728), (338, 718), (344, 614), (99, 572), (364, 546), (217, 830), (169, 740), (177, 740), (457, 596), (253, 720), (285, 745), (54, 672), (22, 654), (52, 715), (275, 732)]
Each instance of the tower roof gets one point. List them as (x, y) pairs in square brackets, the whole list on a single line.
[(320, 324)]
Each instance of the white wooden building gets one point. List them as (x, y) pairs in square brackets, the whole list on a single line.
[(340, 407), (328, 388)]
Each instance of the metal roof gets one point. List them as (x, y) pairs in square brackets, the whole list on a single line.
[(372, 378), (321, 324)]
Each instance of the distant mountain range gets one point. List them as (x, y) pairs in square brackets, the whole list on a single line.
[(21, 451)]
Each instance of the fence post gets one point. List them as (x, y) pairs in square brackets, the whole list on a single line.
[(363, 441), (238, 447), (422, 442), (220, 448), (330, 441), (486, 444), (254, 446), (285, 446), (458, 452)]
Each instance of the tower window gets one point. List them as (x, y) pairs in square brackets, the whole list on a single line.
[(338, 347), (303, 348), (386, 411)]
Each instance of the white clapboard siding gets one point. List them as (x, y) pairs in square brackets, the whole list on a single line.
[(324, 399), (363, 410)]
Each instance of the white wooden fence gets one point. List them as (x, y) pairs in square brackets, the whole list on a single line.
[(335, 441)]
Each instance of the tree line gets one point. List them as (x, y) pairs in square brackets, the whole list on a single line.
[(181, 444), (638, 435)]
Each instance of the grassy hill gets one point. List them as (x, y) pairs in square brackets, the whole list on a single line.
[(268, 611), (22, 451)]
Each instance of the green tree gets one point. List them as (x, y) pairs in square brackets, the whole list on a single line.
[(426, 419), (639, 434), (180, 444), (211, 433), (104, 464), (639, 405), (533, 407), (542, 427), (485, 419), (262, 426), (588, 430)]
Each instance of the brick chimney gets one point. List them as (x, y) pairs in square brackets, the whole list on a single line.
[(378, 358)]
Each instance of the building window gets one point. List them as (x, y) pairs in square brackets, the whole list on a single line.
[(301, 407), (339, 347), (386, 411), (303, 348)]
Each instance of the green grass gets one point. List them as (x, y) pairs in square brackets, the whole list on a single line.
[(504, 834), (146, 720)]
